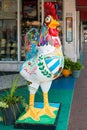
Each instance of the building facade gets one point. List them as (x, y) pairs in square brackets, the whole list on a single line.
[(18, 16)]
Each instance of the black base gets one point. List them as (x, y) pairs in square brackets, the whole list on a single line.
[(38, 126), (34, 126)]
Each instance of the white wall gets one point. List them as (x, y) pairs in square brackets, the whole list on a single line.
[(82, 36), (77, 34), (69, 10)]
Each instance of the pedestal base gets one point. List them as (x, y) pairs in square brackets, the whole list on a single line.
[(44, 123)]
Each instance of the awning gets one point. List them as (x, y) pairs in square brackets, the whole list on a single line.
[(81, 2), (83, 16), (81, 5)]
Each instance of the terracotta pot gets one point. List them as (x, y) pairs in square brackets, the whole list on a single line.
[(66, 72)]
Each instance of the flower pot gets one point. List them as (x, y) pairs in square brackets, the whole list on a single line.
[(10, 114), (66, 72), (76, 73)]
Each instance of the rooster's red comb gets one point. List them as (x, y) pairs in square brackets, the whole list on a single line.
[(49, 9)]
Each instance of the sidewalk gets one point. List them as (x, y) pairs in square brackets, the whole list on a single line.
[(61, 92), (72, 94), (78, 115)]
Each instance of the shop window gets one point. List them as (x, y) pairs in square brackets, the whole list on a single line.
[(29, 20), (29, 11), (8, 30), (17, 17)]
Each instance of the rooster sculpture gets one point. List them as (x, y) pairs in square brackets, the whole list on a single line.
[(45, 66)]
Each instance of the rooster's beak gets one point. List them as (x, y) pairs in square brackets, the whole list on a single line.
[(54, 24)]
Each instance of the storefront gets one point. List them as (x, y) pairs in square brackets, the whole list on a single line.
[(16, 18)]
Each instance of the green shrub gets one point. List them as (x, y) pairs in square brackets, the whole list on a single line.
[(77, 66), (67, 63)]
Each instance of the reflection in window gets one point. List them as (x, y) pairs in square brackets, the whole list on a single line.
[(8, 40)]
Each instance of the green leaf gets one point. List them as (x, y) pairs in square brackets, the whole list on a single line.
[(40, 63)]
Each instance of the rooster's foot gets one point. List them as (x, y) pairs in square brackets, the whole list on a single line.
[(48, 110), (31, 112)]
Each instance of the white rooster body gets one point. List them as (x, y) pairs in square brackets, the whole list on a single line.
[(43, 68)]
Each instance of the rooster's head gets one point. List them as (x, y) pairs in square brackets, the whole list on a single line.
[(50, 22), (51, 16)]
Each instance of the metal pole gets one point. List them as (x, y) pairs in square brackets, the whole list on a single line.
[(18, 29), (42, 12)]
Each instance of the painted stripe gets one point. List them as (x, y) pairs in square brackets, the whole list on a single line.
[(55, 71), (53, 61), (54, 66), (48, 60)]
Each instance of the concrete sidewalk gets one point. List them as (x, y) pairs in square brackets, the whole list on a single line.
[(78, 115)]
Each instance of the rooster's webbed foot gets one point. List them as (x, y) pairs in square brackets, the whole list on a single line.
[(32, 113), (48, 110)]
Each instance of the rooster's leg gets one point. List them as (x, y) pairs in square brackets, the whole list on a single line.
[(31, 112), (47, 110)]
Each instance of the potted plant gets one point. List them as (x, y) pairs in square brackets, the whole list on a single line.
[(67, 67), (10, 104), (76, 69)]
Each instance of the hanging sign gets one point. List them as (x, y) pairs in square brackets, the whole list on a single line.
[(69, 30)]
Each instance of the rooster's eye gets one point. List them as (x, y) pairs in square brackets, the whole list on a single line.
[(47, 19)]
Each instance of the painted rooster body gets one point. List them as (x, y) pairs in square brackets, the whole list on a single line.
[(43, 68)]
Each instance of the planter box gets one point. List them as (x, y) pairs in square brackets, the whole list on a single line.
[(10, 114), (76, 73)]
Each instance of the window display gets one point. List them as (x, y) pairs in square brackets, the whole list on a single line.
[(29, 20), (8, 30), (8, 40), (10, 33), (29, 9)]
